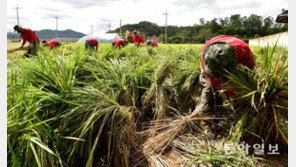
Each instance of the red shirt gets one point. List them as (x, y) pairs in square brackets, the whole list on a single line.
[(243, 52), (137, 39), (28, 35), (118, 42), (52, 43), (154, 43), (93, 40)]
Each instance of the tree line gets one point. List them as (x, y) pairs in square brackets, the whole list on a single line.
[(244, 27)]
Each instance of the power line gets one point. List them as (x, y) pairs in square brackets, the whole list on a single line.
[(17, 14), (57, 18), (91, 29), (120, 28), (166, 25), (161, 32)]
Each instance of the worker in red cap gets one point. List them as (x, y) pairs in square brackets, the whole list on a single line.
[(52, 44), (152, 43), (91, 44), (138, 39), (119, 43), (30, 36), (221, 54)]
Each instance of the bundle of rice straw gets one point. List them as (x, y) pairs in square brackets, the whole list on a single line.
[(171, 129)]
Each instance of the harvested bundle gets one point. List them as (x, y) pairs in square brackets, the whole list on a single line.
[(172, 129), (157, 98), (17, 49)]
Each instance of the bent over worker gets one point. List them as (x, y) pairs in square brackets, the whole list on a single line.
[(221, 54), (152, 43), (52, 44), (138, 39), (30, 36), (91, 44), (119, 43)]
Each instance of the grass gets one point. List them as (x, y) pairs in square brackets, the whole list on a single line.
[(264, 93), (69, 107)]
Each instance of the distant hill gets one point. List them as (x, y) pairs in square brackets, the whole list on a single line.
[(61, 34), (145, 27), (151, 29), (243, 27), (47, 33)]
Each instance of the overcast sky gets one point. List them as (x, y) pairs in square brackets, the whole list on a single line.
[(79, 15)]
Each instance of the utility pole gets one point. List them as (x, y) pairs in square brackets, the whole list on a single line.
[(91, 29), (109, 26), (120, 28), (166, 25), (17, 14), (161, 34), (57, 18)]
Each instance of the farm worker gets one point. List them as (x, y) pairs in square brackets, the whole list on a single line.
[(219, 54), (91, 44), (119, 43), (30, 36), (138, 39), (52, 44), (152, 43)]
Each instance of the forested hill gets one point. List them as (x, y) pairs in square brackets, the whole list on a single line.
[(61, 34), (49, 34), (245, 27)]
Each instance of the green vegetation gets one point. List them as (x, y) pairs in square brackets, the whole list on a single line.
[(244, 27), (264, 93), (69, 107)]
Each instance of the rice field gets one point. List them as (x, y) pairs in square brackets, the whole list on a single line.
[(71, 107)]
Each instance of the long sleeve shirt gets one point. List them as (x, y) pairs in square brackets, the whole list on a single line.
[(52, 44), (28, 35), (137, 39), (94, 41), (118, 43), (154, 43)]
